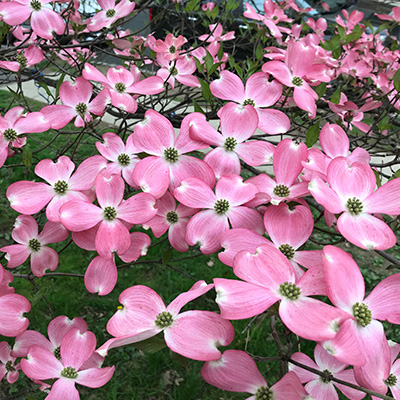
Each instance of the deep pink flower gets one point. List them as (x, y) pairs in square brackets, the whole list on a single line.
[(394, 17), (31, 243), (12, 320), (25, 58), (8, 367), (193, 334), (169, 48)]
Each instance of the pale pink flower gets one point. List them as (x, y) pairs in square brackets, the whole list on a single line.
[(216, 34), (8, 367), (24, 58), (31, 243), (394, 17), (24, 35), (192, 334), (169, 48)]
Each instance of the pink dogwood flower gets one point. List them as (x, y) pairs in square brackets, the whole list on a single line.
[(44, 21), (111, 12), (8, 367), (207, 6), (193, 334), (169, 48), (268, 277), (76, 98), (216, 34), (25, 58), (318, 387), (121, 83), (394, 17), (258, 93), (351, 191), (223, 209), (236, 371), (112, 235), (76, 348), (168, 165), (30, 197), (31, 243)]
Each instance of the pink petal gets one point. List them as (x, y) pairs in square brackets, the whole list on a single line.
[(334, 141), (308, 258), (55, 171), (197, 334), (263, 92), (85, 174), (244, 217), (78, 92), (45, 258), (177, 235), (305, 101), (12, 321), (91, 73), (233, 189), (235, 371), (95, 377), (273, 122), (312, 282), (240, 300), (112, 236), (322, 391), (65, 389), (385, 200), (16, 255), (27, 339), (14, 13), (53, 208), (53, 232), (109, 190), (325, 195), (111, 147), (228, 87), (366, 231), (279, 71), (223, 162), (41, 364), (151, 85), (303, 374), (78, 215), (311, 319), (200, 130), (197, 290), (141, 305), (58, 115), (289, 387), (326, 361), (255, 152), (59, 326), (101, 276), (77, 347), (348, 376), (29, 197), (86, 239), (342, 273), (195, 193), (138, 209)]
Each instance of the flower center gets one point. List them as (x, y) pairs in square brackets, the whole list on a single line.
[(249, 101), (264, 393), (297, 81), (36, 5), (281, 191), (110, 13), (221, 206), (10, 134), (172, 49), (290, 290), (173, 71), (164, 319), (21, 59), (171, 154), (69, 372), (60, 187), (328, 376), (354, 206), (120, 87), (362, 314), (110, 213), (57, 353), (275, 18), (9, 367), (124, 159), (34, 245), (287, 250), (230, 143), (390, 381), (172, 217), (81, 108)]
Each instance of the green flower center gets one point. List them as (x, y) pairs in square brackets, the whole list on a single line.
[(110, 13), (275, 18), (120, 87), (9, 367), (171, 154), (57, 353), (230, 143), (354, 206), (297, 81), (249, 101), (36, 5), (173, 71), (281, 191), (34, 245), (264, 393), (172, 49), (287, 250), (124, 159), (328, 376), (21, 59), (60, 187), (164, 319), (221, 206), (10, 134), (81, 108), (110, 213), (69, 372), (390, 381), (362, 314), (290, 290), (172, 217)]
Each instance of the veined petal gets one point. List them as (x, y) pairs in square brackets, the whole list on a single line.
[(233, 189), (101, 276), (55, 171), (63, 389), (78, 215), (12, 320), (263, 92), (109, 190), (325, 195), (255, 152), (138, 209), (195, 193), (223, 162), (112, 236), (95, 377), (228, 87), (273, 122), (41, 364), (334, 141), (385, 200)]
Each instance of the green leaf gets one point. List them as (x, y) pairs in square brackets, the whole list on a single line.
[(335, 99), (59, 82), (199, 65), (220, 53), (395, 175), (341, 31), (151, 345), (214, 13), (205, 90), (197, 108), (214, 67), (378, 178), (167, 256), (46, 88), (16, 95), (312, 135), (320, 89), (209, 60), (382, 27), (396, 80), (394, 46), (27, 156)]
